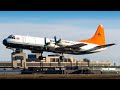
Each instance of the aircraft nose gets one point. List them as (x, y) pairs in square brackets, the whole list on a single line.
[(5, 42)]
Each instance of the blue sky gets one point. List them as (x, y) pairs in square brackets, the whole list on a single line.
[(63, 14), (69, 25)]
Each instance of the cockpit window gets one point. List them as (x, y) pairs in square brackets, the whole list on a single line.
[(11, 36)]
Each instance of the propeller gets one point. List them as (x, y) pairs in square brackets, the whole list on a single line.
[(46, 43), (56, 41)]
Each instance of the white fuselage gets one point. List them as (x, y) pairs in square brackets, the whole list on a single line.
[(33, 42)]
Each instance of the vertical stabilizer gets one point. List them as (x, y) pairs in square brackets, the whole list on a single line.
[(98, 38)]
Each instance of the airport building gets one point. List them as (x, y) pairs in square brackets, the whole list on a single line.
[(53, 62), (21, 60)]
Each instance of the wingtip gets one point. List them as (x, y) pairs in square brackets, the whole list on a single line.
[(113, 44)]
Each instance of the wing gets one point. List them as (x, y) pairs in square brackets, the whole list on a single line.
[(75, 46)]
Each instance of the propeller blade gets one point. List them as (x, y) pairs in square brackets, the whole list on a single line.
[(46, 44), (56, 40), (45, 40)]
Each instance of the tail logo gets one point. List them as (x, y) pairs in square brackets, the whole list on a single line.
[(99, 34)]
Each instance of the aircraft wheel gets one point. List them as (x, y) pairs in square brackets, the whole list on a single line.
[(61, 57), (40, 58)]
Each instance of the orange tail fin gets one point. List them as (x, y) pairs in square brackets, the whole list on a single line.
[(98, 38)]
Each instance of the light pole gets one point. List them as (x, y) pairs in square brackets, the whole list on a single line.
[(88, 61)]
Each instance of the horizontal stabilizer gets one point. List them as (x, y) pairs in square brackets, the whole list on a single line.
[(107, 45), (101, 46)]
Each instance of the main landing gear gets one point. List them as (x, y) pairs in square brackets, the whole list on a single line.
[(61, 57), (40, 57)]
